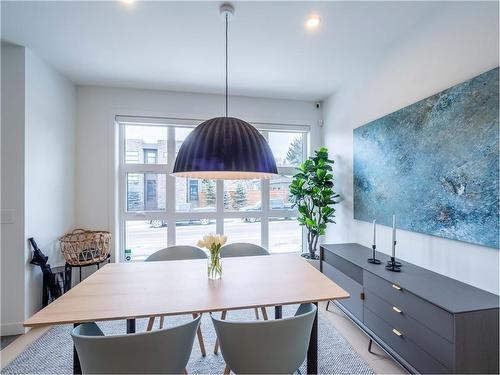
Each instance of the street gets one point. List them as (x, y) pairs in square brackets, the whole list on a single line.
[(142, 239)]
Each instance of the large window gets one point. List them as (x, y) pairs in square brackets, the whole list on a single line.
[(159, 210)]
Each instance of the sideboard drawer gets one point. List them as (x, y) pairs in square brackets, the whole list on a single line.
[(403, 345), (430, 315), (346, 267), (354, 303), (432, 343)]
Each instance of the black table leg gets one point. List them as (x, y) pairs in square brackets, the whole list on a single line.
[(45, 294), (67, 277), (278, 312), (76, 361), (130, 325), (312, 351)]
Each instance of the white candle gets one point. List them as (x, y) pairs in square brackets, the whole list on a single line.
[(393, 236), (374, 232)]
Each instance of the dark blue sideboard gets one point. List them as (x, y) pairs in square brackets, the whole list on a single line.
[(428, 322)]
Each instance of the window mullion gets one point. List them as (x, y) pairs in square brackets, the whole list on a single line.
[(219, 202), (265, 215), (145, 168), (170, 186), (264, 221), (305, 155), (122, 191)]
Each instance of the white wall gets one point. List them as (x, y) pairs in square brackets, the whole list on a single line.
[(12, 201), (96, 146), (38, 157), (440, 54), (50, 166)]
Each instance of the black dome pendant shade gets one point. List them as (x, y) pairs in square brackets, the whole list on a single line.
[(225, 147)]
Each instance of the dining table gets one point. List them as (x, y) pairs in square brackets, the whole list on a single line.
[(134, 290)]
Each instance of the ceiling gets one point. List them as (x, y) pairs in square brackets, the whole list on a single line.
[(180, 45)]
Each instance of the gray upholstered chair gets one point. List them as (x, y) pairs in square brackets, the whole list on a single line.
[(178, 253), (242, 249), (266, 347), (161, 351)]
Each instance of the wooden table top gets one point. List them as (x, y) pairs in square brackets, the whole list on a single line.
[(137, 290)]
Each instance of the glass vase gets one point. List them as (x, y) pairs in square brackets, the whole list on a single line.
[(214, 266)]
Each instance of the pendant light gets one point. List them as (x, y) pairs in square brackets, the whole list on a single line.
[(225, 147)]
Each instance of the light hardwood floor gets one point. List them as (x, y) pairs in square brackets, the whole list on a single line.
[(379, 362)]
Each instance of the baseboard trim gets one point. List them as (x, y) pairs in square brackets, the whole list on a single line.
[(9, 329)]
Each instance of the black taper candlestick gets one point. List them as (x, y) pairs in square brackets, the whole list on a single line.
[(392, 265), (374, 259)]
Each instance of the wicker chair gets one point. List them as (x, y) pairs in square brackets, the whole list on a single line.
[(85, 247)]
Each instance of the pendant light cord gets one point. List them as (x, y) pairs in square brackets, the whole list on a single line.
[(226, 62)]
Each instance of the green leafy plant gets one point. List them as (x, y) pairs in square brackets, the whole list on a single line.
[(312, 193)]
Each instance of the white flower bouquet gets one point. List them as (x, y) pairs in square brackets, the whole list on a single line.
[(213, 242)]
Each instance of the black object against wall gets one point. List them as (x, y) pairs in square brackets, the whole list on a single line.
[(68, 271), (428, 322), (374, 259), (393, 265), (51, 288)]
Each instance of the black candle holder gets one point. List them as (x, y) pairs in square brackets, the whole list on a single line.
[(374, 259), (392, 265)]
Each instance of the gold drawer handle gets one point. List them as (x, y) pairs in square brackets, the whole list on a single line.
[(396, 332), (396, 309), (396, 287)]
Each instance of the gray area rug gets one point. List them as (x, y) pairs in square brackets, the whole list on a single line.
[(53, 352)]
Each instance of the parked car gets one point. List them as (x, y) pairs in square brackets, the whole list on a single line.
[(274, 204), (185, 207)]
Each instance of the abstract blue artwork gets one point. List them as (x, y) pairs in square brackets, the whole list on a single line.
[(434, 164)]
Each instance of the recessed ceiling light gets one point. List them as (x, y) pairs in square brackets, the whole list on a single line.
[(128, 2), (313, 22)]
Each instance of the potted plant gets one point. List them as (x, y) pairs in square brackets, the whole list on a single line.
[(312, 193)]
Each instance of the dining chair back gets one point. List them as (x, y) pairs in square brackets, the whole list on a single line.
[(177, 253), (242, 249), (161, 351), (272, 346)]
